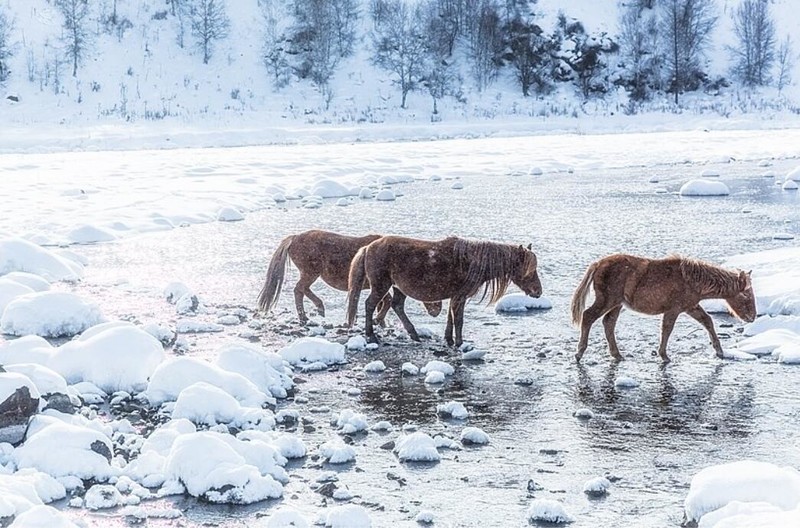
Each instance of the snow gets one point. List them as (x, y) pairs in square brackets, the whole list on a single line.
[(175, 374), (118, 357), (89, 234), (519, 302), (747, 481), (203, 403), (409, 369), (424, 517), (286, 517), (438, 366), (416, 447), (704, 188), (596, 486), (265, 369), (10, 290), (209, 467), (474, 435), (435, 377), (31, 280), (376, 366), (229, 214), (349, 421), (453, 409), (625, 382), (548, 510), (11, 381), (385, 195), (61, 449), (49, 314), (17, 254), (102, 496), (47, 381), (313, 350), (337, 452), (348, 516), (356, 343), (789, 185), (42, 517)]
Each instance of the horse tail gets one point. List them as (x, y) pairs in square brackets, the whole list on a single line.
[(579, 297), (275, 275), (355, 283)]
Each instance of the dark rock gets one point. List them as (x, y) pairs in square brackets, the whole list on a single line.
[(59, 402), (388, 446), (400, 480), (15, 412), (101, 449), (327, 489), (14, 98)]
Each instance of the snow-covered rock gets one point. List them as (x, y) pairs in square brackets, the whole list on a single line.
[(453, 409), (438, 366), (474, 436), (409, 369), (348, 422), (203, 403), (348, 516), (704, 188), (376, 366), (89, 234), (625, 382), (313, 350), (435, 377), (17, 254), (265, 369), (49, 314), (19, 400), (42, 516), (597, 486), (519, 302), (61, 449), (548, 510), (10, 290), (229, 214), (330, 189), (337, 452), (31, 280), (356, 343), (416, 447), (385, 195), (747, 481)]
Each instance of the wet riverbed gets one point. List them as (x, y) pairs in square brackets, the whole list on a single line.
[(694, 412)]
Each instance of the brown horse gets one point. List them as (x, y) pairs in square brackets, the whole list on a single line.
[(317, 254), (668, 286), (452, 268)]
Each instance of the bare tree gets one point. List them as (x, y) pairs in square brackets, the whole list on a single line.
[(275, 44), (400, 45), (686, 26), (77, 36), (530, 52), (485, 43), (639, 50), (6, 47), (345, 16), (439, 76), (754, 54), (209, 22), (786, 58)]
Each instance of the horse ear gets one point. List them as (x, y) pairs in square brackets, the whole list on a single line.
[(744, 279), (530, 247)]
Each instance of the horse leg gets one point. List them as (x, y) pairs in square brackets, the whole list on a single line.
[(377, 293), (398, 305), (609, 324), (701, 316), (590, 315), (303, 287), (448, 328), (458, 319), (383, 309), (667, 324)]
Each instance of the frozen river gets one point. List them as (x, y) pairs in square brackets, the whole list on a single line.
[(692, 413)]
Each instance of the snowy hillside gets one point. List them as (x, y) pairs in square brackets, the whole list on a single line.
[(134, 70)]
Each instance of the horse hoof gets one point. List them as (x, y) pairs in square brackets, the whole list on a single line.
[(414, 337), (578, 358)]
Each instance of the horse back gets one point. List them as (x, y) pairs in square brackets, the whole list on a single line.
[(327, 254)]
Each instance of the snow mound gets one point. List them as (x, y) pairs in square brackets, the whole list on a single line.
[(17, 254), (175, 374), (47, 381), (229, 214), (286, 517), (31, 280), (745, 481), (375, 366), (49, 314), (89, 234), (417, 447), (793, 174), (265, 369), (789, 185), (203, 403), (313, 350), (209, 467), (10, 290), (788, 354), (519, 302), (409, 369), (453, 409), (457, 186), (548, 510), (704, 188), (710, 173), (348, 422), (42, 516), (102, 496), (330, 189), (597, 486), (385, 195), (337, 452), (348, 516), (474, 435), (356, 343), (435, 377), (438, 366), (625, 382), (117, 358), (27, 349), (61, 449)]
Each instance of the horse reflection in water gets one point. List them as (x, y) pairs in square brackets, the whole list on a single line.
[(318, 254), (668, 286), (431, 271)]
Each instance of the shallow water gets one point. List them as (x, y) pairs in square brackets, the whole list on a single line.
[(691, 413)]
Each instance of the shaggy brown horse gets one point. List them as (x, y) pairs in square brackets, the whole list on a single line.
[(668, 286), (317, 254), (452, 268)]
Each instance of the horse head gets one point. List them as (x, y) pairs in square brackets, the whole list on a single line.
[(743, 302), (526, 276)]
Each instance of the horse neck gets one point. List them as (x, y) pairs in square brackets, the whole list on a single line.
[(485, 263), (713, 282)]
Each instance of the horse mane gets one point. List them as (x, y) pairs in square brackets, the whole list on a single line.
[(709, 277), (487, 264)]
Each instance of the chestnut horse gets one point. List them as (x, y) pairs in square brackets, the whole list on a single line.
[(668, 286), (317, 254), (428, 271)]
